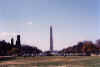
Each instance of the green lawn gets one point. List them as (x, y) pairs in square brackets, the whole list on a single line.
[(68, 61)]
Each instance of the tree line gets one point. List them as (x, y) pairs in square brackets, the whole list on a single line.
[(6, 49), (86, 47)]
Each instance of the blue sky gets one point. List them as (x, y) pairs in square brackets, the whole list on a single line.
[(72, 21)]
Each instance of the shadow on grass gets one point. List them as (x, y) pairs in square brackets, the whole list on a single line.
[(7, 59)]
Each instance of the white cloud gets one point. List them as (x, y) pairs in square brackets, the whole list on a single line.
[(30, 23), (9, 33), (4, 34)]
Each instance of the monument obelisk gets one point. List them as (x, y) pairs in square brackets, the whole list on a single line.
[(51, 39)]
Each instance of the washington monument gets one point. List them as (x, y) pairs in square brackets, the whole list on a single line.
[(51, 39)]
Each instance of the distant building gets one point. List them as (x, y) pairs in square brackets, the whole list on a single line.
[(18, 44), (50, 52), (12, 42), (16, 48), (74, 54), (51, 39)]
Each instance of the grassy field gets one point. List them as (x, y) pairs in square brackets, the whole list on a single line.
[(52, 61)]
